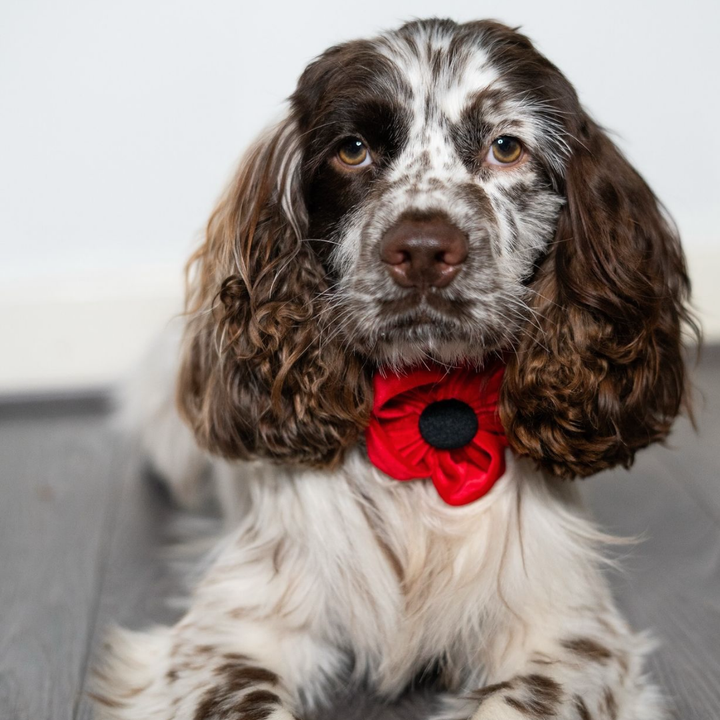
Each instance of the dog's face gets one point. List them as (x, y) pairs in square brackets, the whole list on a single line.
[(437, 193), (432, 182)]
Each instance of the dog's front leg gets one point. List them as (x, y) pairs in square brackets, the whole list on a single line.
[(248, 649), (578, 665)]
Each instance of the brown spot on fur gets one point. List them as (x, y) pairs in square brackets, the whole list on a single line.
[(519, 706), (588, 648), (581, 708), (277, 555), (369, 510), (623, 663), (540, 697), (236, 657), (610, 704), (210, 705), (241, 677), (257, 705), (485, 692), (106, 701), (543, 686), (237, 677), (172, 675)]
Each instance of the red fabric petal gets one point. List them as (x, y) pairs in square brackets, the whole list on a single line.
[(396, 447)]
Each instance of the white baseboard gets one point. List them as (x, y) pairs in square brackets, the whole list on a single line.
[(86, 332), (704, 267)]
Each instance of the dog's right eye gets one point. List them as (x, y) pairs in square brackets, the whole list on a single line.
[(354, 153)]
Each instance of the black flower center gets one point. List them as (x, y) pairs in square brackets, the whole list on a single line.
[(448, 424)]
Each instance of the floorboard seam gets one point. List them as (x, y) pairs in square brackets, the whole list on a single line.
[(112, 513)]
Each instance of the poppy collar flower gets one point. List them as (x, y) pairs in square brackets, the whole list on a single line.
[(439, 424)]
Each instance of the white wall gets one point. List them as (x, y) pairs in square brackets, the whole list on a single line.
[(120, 122)]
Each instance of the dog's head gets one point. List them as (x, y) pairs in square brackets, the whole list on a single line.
[(437, 193)]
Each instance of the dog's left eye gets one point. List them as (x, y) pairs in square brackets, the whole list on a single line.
[(354, 153), (505, 150)]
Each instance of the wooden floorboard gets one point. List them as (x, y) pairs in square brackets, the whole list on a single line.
[(145, 582), (56, 482), (85, 539)]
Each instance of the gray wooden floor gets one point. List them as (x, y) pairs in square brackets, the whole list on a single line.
[(84, 541)]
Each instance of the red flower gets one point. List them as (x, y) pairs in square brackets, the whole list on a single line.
[(442, 424)]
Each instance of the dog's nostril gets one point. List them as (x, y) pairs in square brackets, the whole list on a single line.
[(424, 253)]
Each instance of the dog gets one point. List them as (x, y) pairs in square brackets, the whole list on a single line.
[(435, 220)]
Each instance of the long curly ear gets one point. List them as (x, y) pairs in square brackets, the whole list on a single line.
[(599, 373), (259, 377)]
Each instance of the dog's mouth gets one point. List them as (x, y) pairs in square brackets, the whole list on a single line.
[(446, 326), (423, 334), (419, 307)]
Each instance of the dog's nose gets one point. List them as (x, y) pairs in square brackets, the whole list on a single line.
[(424, 253)]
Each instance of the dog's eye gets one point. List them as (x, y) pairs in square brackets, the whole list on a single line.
[(505, 150), (353, 152)]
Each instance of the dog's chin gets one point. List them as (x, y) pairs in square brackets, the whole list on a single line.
[(418, 342)]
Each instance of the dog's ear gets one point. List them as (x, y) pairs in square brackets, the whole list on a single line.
[(258, 376), (599, 372)]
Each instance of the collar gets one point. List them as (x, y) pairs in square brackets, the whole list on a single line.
[(439, 423)]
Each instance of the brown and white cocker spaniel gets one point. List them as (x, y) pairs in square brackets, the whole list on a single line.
[(435, 201)]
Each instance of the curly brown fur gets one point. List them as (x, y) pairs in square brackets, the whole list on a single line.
[(259, 376), (602, 373)]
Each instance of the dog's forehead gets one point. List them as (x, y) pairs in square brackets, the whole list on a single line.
[(442, 71)]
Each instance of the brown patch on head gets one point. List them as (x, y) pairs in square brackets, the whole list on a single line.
[(588, 648), (351, 90)]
